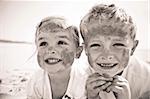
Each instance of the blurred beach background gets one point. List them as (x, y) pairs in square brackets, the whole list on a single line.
[(18, 20)]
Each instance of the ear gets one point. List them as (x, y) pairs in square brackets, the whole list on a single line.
[(85, 48), (79, 51), (36, 43), (135, 43)]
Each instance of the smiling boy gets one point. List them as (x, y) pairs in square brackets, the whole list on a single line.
[(57, 46), (109, 40)]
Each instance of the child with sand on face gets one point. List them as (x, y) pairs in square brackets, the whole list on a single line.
[(57, 47), (109, 39)]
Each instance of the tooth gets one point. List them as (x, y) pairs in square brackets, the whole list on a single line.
[(107, 64), (52, 60)]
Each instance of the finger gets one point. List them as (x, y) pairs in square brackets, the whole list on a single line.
[(113, 88), (106, 79), (95, 84), (124, 85), (119, 79), (94, 78), (103, 77), (99, 84), (119, 84), (94, 75), (104, 86)]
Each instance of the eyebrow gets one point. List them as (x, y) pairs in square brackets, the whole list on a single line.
[(41, 38), (66, 37), (96, 41), (119, 39), (62, 36)]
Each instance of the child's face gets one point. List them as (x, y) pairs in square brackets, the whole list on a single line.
[(56, 51), (108, 50)]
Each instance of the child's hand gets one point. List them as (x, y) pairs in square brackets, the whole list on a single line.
[(120, 87), (96, 83)]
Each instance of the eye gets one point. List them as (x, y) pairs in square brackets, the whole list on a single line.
[(43, 44), (62, 43), (119, 45), (95, 45)]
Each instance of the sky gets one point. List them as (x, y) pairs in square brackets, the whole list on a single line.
[(18, 19)]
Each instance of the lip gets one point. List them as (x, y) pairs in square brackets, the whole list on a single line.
[(107, 65), (52, 61)]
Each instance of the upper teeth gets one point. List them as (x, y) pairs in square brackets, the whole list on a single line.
[(107, 64), (53, 60)]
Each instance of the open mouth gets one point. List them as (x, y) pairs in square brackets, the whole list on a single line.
[(52, 61), (107, 65)]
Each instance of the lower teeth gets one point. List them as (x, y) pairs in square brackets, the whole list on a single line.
[(107, 67)]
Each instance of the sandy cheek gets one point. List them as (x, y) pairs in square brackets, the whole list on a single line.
[(68, 57), (125, 57), (39, 59)]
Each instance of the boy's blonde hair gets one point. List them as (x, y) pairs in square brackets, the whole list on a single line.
[(110, 16), (57, 24)]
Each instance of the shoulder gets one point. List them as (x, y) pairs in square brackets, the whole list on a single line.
[(138, 67), (78, 77), (35, 85), (80, 72), (35, 80), (138, 76), (37, 76)]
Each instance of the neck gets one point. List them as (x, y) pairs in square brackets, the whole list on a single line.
[(63, 75)]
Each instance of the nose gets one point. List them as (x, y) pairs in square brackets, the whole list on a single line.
[(106, 57), (106, 54), (51, 50)]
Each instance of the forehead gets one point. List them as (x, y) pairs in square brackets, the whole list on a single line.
[(105, 38), (106, 30), (100, 33), (57, 34)]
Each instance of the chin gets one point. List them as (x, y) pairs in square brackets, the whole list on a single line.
[(108, 72)]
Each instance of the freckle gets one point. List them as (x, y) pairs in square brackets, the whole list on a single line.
[(67, 57), (130, 20), (108, 38), (112, 5), (118, 19), (123, 20), (131, 29), (124, 51)]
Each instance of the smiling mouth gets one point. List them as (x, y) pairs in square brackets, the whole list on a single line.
[(52, 61), (107, 65)]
